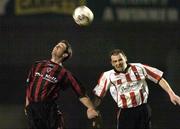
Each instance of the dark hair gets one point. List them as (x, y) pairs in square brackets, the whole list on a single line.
[(116, 52), (68, 49)]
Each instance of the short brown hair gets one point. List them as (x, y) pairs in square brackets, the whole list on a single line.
[(116, 52)]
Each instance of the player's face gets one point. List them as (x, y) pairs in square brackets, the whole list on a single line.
[(59, 50), (119, 62)]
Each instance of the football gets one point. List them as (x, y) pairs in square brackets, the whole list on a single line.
[(83, 16)]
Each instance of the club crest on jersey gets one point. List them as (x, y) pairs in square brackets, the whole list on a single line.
[(49, 70)]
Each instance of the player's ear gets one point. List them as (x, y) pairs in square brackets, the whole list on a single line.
[(65, 55)]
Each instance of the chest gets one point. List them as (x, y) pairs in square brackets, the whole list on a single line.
[(48, 73), (129, 78)]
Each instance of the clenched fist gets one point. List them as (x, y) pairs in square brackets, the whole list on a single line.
[(91, 113)]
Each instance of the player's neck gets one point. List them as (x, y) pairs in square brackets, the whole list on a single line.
[(56, 60)]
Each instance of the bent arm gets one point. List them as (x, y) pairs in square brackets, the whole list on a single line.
[(87, 102), (91, 112), (164, 84), (27, 102), (175, 99)]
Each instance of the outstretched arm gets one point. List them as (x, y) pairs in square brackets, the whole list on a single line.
[(175, 99), (91, 112)]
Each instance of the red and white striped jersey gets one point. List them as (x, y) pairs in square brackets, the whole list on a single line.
[(128, 89)]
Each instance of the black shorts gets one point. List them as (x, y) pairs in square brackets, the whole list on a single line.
[(135, 118), (44, 115)]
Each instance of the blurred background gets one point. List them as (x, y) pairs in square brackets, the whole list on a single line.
[(147, 30)]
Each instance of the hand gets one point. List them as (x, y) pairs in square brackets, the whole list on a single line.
[(91, 113), (97, 122), (175, 99), (25, 112)]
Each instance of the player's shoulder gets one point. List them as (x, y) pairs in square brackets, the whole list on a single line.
[(37, 62), (141, 66), (107, 73), (40, 61), (136, 64)]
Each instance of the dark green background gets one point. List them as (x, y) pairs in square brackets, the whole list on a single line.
[(24, 39)]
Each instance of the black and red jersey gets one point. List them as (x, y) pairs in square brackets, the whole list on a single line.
[(47, 78)]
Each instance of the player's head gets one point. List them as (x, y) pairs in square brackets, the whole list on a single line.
[(118, 59), (62, 50)]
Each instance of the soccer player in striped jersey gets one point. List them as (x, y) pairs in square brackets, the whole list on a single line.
[(45, 80), (128, 87)]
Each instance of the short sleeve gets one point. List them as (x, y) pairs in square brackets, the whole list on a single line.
[(152, 73), (102, 85)]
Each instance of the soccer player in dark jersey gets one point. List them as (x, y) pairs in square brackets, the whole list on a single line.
[(46, 78)]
